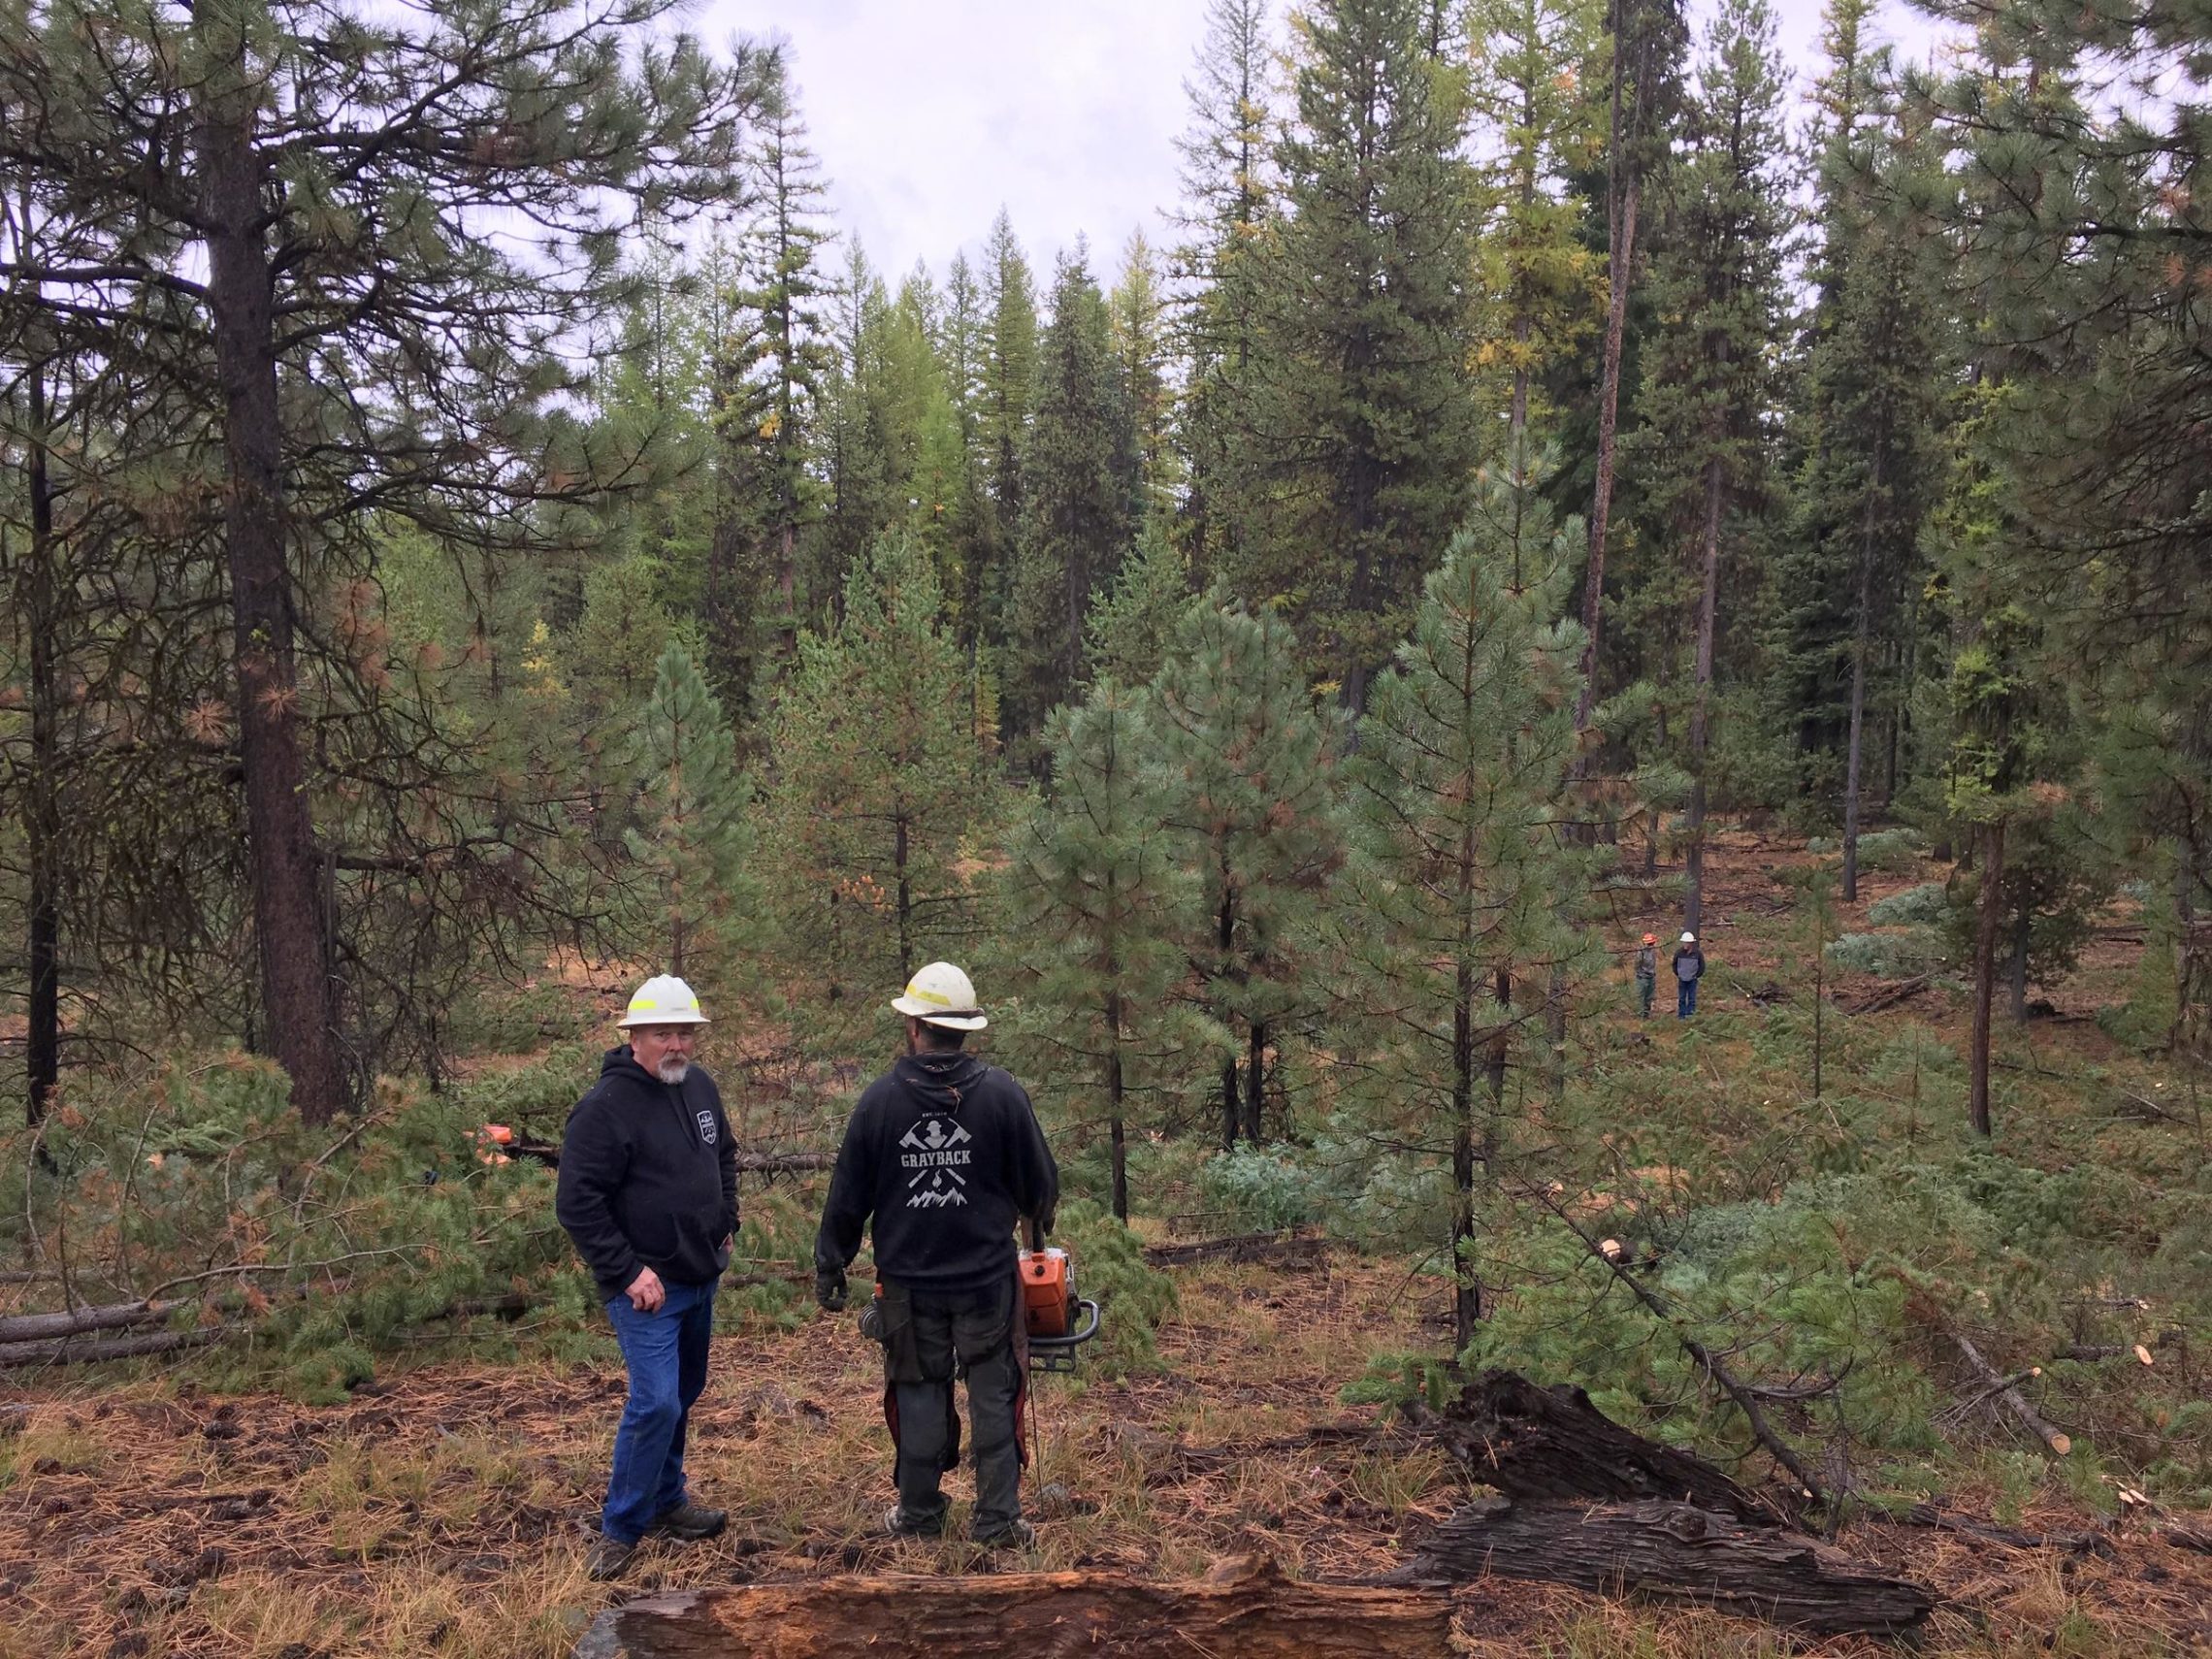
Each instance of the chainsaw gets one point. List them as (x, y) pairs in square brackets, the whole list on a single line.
[(1058, 1320)]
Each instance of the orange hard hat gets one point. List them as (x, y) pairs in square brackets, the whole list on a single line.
[(1651, 938)]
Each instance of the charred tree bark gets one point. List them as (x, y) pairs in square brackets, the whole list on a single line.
[(1250, 1611), (290, 924), (1672, 1552), (1466, 1295)]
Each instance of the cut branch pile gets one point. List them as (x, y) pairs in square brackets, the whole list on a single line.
[(1276, 1249)]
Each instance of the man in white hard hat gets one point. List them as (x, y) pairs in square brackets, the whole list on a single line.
[(648, 1192), (945, 1154), (1689, 968)]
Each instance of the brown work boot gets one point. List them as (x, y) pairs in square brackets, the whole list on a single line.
[(1020, 1535), (688, 1521), (607, 1559)]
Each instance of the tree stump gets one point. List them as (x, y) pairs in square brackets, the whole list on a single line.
[(1246, 1608)]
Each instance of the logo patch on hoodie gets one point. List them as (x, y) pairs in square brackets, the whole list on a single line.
[(706, 1127), (936, 1151)]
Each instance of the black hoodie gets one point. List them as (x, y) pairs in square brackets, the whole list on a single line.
[(945, 1153), (648, 1177)]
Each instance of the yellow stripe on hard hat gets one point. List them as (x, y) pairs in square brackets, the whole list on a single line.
[(920, 995)]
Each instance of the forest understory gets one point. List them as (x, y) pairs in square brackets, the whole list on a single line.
[(443, 1506)]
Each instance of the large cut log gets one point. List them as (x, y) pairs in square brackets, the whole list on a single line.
[(1674, 1552), (1530, 1442), (1246, 1608)]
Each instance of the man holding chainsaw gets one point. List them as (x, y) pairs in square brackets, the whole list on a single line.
[(945, 1153)]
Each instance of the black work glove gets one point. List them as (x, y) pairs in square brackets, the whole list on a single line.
[(830, 1288)]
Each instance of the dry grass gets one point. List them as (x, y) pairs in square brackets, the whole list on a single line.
[(445, 1513)]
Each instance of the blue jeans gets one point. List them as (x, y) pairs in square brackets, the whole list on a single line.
[(1685, 999), (665, 1353)]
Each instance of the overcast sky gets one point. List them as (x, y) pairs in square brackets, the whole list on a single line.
[(927, 118)]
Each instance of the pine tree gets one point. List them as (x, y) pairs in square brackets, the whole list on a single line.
[(692, 847), (1364, 417), (1097, 906), (777, 360), (1534, 96), (1130, 629), (1461, 878), (879, 781), (1078, 466), (1227, 207), (1136, 312), (1871, 401), (1007, 394), (1250, 785), (1707, 382), (339, 183)]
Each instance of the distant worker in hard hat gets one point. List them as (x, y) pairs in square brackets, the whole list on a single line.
[(944, 1154), (648, 1192), (1647, 972), (1689, 968)]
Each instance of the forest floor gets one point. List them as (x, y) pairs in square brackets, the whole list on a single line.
[(443, 1509)]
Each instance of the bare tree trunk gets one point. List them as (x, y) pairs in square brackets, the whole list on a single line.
[(1700, 710), (905, 902), (1256, 1081), (1224, 935), (1862, 633), (1620, 267), (1113, 1097), (1466, 1297), (42, 804), (1988, 917), (298, 995)]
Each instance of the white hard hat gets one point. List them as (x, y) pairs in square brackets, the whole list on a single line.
[(1689, 938), (940, 995), (662, 1000)]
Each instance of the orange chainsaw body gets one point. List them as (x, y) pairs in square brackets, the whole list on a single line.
[(1048, 1292)]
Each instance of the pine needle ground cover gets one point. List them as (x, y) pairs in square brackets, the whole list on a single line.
[(423, 1486)]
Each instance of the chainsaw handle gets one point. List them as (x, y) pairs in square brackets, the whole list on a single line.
[(1036, 1233)]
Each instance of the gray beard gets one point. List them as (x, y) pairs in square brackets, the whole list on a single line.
[(673, 1070)]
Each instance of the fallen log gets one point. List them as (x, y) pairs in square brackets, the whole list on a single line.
[(1243, 1248), (1535, 1443), (82, 1350), (787, 1162), (1891, 995), (1246, 1608), (113, 1316), (1672, 1552)]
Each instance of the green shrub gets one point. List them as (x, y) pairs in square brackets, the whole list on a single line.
[(1893, 851), (1886, 956), (1262, 1190), (1922, 906), (1132, 1295)]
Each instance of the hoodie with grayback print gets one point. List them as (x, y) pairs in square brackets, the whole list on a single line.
[(945, 1153)]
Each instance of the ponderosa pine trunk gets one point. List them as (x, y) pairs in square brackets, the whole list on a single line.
[(898, 856), (2023, 928), (290, 921), (42, 794), (1224, 935), (1701, 716), (1861, 635), (1465, 1299), (1113, 1097), (1256, 1081), (1620, 265), (1989, 918)]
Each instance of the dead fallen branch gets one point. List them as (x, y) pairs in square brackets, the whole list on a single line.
[(114, 1315), (785, 1163), (1889, 996), (83, 1351), (2007, 1389), (1246, 1608), (1674, 1552), (1545, 1444), (2012, 1538), (1273, 1248)]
